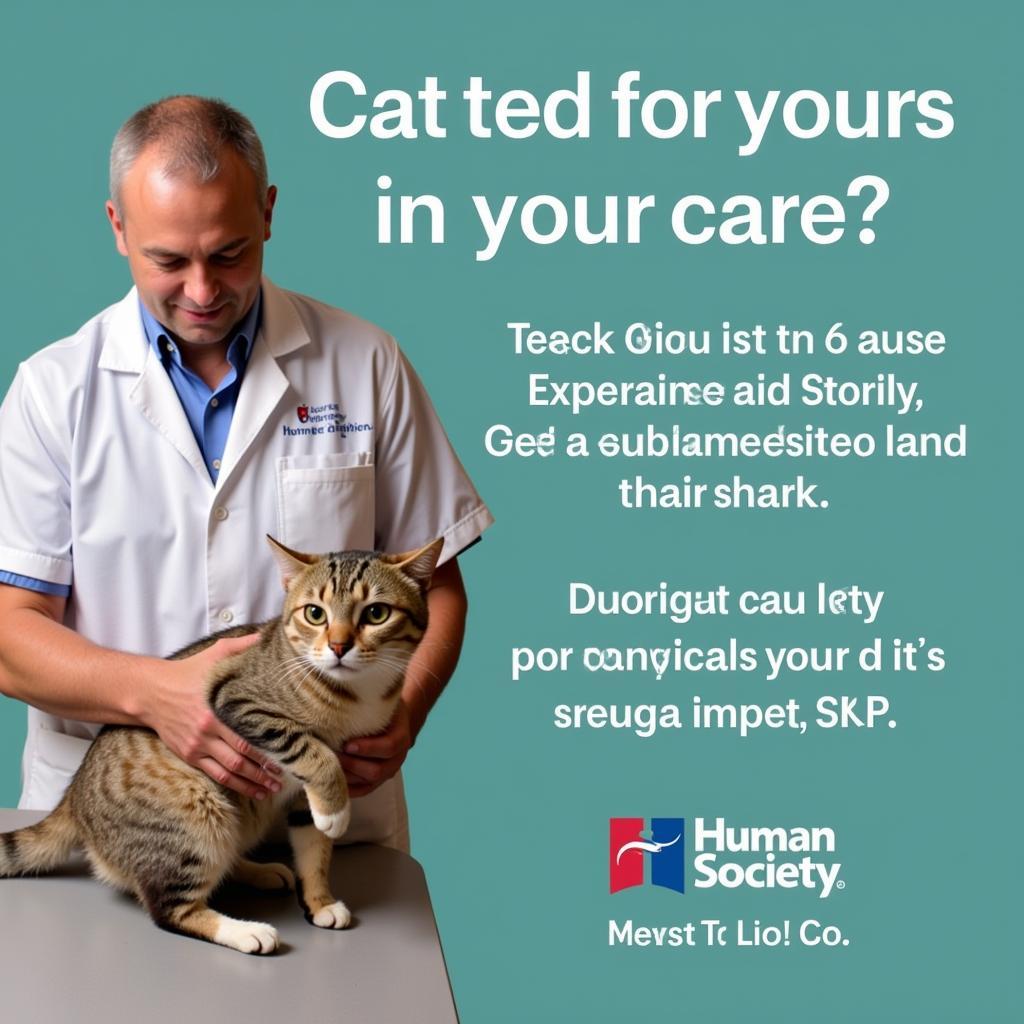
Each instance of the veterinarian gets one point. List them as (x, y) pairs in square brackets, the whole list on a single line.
[(144, 458)]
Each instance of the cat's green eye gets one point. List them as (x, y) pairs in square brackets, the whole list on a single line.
[(377, 614), (315, 615)]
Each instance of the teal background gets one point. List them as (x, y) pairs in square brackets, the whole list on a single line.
[(510, 814)]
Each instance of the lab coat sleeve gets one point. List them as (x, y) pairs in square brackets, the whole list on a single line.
[(422, 491), (35, 490)]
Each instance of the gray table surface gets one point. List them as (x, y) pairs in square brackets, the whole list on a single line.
[(73, 950)]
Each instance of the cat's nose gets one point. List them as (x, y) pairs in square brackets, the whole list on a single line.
[(340, 650)]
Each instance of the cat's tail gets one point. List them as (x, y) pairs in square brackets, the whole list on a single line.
[(39, 847)]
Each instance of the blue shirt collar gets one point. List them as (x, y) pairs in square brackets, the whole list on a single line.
[(238, 351)]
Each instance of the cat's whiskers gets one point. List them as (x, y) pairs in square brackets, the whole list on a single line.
[(292, 677), (297, 666), (292, 661), (398, 666), (294, 666), (424, 669), (392, 652), (434, 645), (390, 656)]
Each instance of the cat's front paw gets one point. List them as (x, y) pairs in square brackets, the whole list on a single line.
[(247, 936), (334, 915), (333, 825)]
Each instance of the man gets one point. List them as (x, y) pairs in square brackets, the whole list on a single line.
[(143, 460)]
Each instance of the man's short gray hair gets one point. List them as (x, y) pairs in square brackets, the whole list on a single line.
[(192, 130)]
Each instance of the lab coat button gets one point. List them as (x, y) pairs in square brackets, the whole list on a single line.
[(220, 512), (226, 616)]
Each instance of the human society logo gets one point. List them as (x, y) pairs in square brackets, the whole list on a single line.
[(629, 852), (763, 863), (326, 418)]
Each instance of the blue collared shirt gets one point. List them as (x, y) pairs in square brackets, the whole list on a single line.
[(209, 412)]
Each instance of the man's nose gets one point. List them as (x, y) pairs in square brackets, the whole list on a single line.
[(201, 287)]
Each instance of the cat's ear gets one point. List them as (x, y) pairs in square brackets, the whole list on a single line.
[(418, 564), (291, 563)]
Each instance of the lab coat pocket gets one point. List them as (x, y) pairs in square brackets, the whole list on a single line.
[(326, 502)]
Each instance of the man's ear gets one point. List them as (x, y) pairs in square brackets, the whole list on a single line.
[(268, 211), (117, 226), (291, 563)]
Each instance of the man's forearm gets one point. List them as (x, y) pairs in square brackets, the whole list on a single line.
[(438, 653), (53, 668), (45, 664)]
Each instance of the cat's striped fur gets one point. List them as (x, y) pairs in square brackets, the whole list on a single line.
[(155, 826)]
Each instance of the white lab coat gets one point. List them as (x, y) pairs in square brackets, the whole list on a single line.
[(102, 486)]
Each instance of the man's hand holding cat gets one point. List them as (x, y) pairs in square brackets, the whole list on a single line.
[(178, 712), (370, 760)]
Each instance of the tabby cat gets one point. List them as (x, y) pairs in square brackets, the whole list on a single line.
[(329, 669)]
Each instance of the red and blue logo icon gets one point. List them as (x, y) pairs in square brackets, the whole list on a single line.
[(636, 848)]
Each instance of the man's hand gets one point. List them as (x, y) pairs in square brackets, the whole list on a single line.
[(178, 712), (370, 760)]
